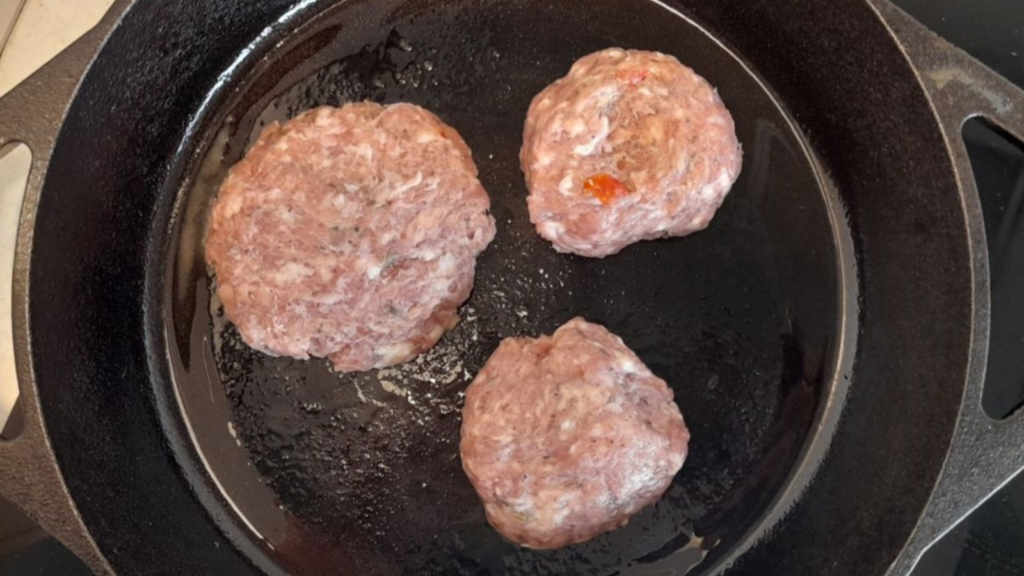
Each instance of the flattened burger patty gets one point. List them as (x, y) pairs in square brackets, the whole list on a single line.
[(568, 436), (350, 233), (629, 146)]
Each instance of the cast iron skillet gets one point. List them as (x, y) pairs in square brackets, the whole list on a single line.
[(825, 337)]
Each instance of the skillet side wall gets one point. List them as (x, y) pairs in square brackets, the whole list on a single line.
[(89, 262), (855, 96), (835, 68)]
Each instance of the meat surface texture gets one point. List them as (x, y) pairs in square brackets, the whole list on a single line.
[(630, 145), (568, 436), (350, 233)]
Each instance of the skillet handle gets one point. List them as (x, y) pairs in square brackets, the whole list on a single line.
[(984, 454), (32, 114)]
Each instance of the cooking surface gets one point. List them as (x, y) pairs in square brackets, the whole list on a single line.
[(986, 542), (344, 459)]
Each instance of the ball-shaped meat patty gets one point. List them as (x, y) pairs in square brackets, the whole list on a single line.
[(568, 436), (350, 233), (629, 146)]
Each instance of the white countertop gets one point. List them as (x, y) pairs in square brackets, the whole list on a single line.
[(44, 28)]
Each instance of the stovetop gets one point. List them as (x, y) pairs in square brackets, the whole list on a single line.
[(990, 541)]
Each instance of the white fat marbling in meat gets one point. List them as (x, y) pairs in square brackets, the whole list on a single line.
[(644, 119), (568, 436), (350, 233)]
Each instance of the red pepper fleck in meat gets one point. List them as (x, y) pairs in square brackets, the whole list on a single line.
[(606, 188)]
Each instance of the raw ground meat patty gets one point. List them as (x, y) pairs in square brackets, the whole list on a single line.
[(350, 233), (629, 146), (568, 436)]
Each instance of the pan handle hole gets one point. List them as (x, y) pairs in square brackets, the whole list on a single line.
[(998, 164), (15, 161)]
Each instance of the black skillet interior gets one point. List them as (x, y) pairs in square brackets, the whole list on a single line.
[(741, 320), (353, 474)]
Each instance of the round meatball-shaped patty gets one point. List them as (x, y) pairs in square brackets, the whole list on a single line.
[(568, 436), (629, 146), (350, 233)]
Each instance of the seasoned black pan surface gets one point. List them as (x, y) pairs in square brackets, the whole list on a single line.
[(742, 320)]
